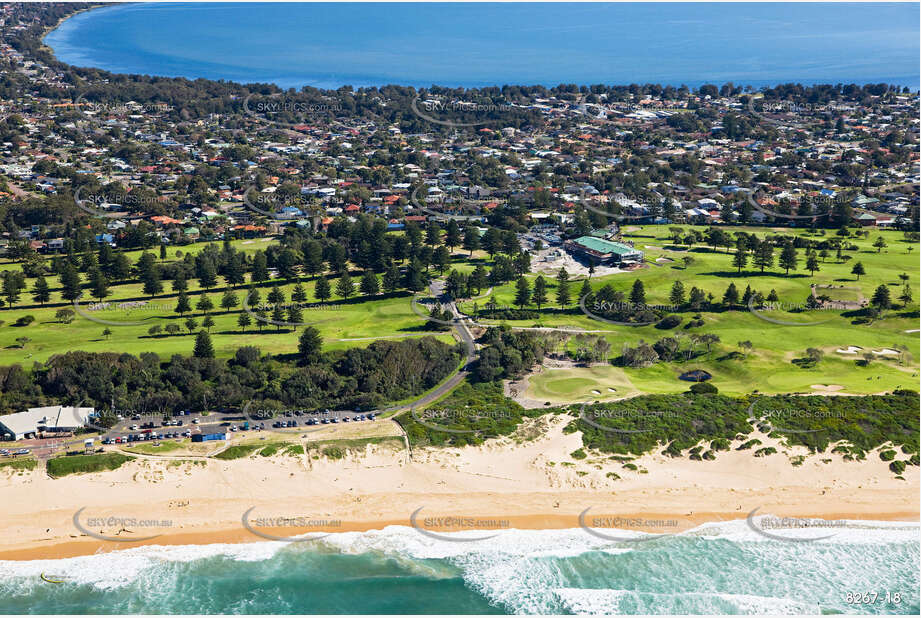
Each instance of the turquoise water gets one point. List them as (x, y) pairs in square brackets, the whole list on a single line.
[(720, 568), (329, 45)]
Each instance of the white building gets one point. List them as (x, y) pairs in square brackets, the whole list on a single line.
[(48, 419)]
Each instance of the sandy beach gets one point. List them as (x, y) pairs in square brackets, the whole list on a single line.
[(528, 480)]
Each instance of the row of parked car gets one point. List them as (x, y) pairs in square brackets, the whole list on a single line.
[(325, 421), (5, 452), (142, 437)]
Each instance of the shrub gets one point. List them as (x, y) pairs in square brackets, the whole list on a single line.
[(578, 454), (704, 388), (669, 321), (25, 320), (897, 466), (79, 464), (887, 455), (334, 452), (764, 452), (747, 445)]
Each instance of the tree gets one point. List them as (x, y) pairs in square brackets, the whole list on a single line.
[(540, 292), (812, 264), (155, 330), (687, 261), (562, 288), (243, 320), (295, 315), (13, 283), (345, 287), (370, 286), (788, 258), (276, 296), (881, 299), (638, 294), (260, 270), (191, 325), (41, 293), (441, 258), (172, 329), (298, 294), (906, 295), (479, 279), (676, 296), (740, 257), (229, 300), (182, 304), (471, 239), (309, 345), (522, 292), (764, 255), (731, 296), (278, 316), (745, 346), (880, 244), (204, 304), (207, 323), (391, 278), (452, 235), (858, 270), (321, 290), (203, 347), (64, 316), (99, 285)]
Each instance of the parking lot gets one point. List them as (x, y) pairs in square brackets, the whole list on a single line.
[(185, 425)]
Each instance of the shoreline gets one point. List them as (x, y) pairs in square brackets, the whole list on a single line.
[(58, 549), (41, 39), (524, 483)]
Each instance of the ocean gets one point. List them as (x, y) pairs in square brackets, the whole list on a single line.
[(723, 568), (473, 45)]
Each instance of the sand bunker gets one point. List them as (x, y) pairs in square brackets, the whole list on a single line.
[(613, 390), (664, 259), (886, 352), (596, 392), (851, 349), (828, 388)]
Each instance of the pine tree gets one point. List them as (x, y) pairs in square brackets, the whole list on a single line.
[(321, 290), (676, 296), (370, 286), (858, 270), (391, 279), (203, 346), (41, 293), (731, 296), (182, 304), (309, 345), (345, 287), (539, 297), (788, 258), (243, 320), (740, 257), (204, 304), (638, 294), (522, 292), (562, 288)]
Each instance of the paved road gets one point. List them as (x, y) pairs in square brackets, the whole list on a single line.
[(437, 290)]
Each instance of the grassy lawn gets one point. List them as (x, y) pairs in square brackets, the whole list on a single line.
[(768, 367), (167, 446), (80, 464), (19, 464)]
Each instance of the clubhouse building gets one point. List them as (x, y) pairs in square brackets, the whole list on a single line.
[(49, 419), (601, 251)]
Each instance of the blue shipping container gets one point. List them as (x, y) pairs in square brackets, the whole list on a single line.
[(205, 437)]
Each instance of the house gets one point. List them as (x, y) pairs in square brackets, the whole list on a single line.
[(48, 419)]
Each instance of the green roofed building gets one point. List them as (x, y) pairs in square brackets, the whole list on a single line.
[(600, 251)]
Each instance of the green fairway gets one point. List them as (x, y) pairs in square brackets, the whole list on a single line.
[(768, 366)]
